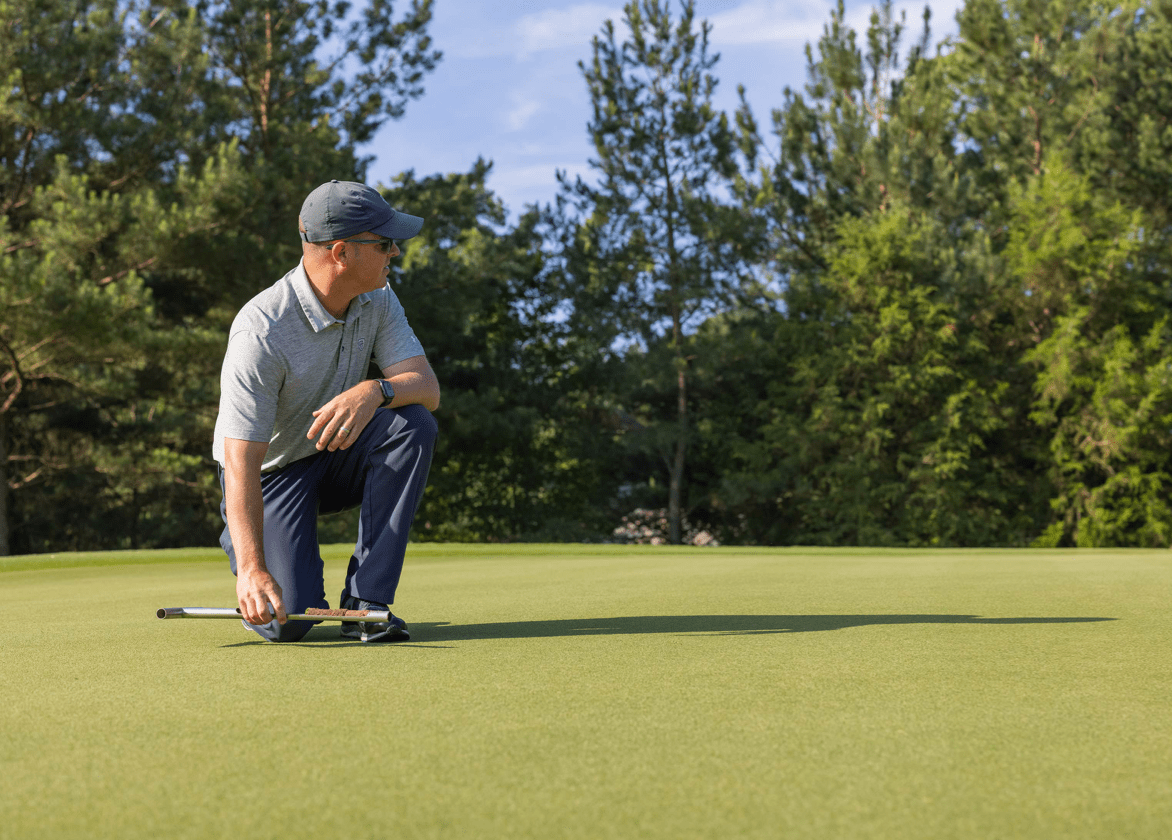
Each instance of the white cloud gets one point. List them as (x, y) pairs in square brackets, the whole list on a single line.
[(570, 28), (780, 21), (765, 21), (476, 30), (521, 111)]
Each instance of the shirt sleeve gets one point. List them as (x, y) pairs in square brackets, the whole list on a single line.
[(395, 340), (250, 384)]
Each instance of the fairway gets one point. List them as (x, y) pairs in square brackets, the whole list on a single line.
[(598, 692)]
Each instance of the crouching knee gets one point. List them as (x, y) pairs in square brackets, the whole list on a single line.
[(421, 423), (274, 631)]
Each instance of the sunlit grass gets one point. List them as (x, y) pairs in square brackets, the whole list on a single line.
[(602, 691)]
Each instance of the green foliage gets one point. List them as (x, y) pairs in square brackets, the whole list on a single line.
[(1108, 400), (1102, 392), (975, 292), (81, 336), (929, 308), (879, 423), (518, 455), (653, 249), (152, 157)]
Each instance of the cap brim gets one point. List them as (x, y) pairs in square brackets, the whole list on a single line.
[(400, 226)]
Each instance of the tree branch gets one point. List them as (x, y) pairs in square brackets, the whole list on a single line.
[(105, 281)]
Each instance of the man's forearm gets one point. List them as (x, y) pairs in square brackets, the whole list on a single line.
[(414, 382), (414, 388), (257, 593), (244, 503), (246, 518)]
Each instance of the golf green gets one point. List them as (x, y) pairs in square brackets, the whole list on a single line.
[(596, 692)]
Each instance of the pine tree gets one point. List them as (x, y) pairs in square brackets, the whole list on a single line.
[(152, 160), (655, 247)]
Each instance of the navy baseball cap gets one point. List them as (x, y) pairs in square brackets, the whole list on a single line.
[(341, 209)]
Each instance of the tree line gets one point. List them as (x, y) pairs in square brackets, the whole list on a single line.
[(925, 301)]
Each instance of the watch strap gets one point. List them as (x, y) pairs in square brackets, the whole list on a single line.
[(388, 392)]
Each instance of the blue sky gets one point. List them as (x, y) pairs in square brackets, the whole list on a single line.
[(509, 88)]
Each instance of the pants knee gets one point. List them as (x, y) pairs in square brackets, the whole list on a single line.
[(290, 631), (422, 424)]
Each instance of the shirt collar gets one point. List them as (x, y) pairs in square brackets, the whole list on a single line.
[(318, 316)]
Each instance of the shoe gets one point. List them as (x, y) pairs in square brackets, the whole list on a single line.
[(394, 630)]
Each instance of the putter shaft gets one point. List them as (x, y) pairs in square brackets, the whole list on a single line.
[(215, 612)]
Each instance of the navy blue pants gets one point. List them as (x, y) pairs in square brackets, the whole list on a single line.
[(384, 472)]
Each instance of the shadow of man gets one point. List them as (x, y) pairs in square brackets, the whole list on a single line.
[(699, 625)]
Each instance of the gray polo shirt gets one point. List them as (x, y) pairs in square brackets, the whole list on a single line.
[(287, 357)]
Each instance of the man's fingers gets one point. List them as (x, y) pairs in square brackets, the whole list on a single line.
[(337, 423), (252, 615), (317, 425), (279, 607), (347, 433), (247, 610), (327, 436), (326, 427), (260, 600), (274, 601), (258, 609), (340, 433)]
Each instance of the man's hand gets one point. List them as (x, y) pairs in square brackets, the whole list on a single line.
[(340, 421), (244, 505), (255, 591)]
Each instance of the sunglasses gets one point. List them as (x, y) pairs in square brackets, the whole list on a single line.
[(384, 245)]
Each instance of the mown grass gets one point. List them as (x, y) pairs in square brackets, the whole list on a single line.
[(602, 691)]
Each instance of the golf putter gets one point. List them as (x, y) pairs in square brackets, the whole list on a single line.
[(311, 614)]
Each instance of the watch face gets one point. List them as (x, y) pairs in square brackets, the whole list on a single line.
[(388, 391)]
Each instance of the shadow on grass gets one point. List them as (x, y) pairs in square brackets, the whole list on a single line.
[(432, 634), (707, 625)]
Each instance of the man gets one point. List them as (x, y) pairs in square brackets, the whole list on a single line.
[(301, 429)]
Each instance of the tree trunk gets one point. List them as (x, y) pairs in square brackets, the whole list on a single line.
[(676, 467), (674, 513), (4, 545)]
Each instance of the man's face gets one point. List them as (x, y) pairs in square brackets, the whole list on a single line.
[(369, 259)]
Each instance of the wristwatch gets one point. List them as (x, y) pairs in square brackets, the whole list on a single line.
[(388, 392)]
